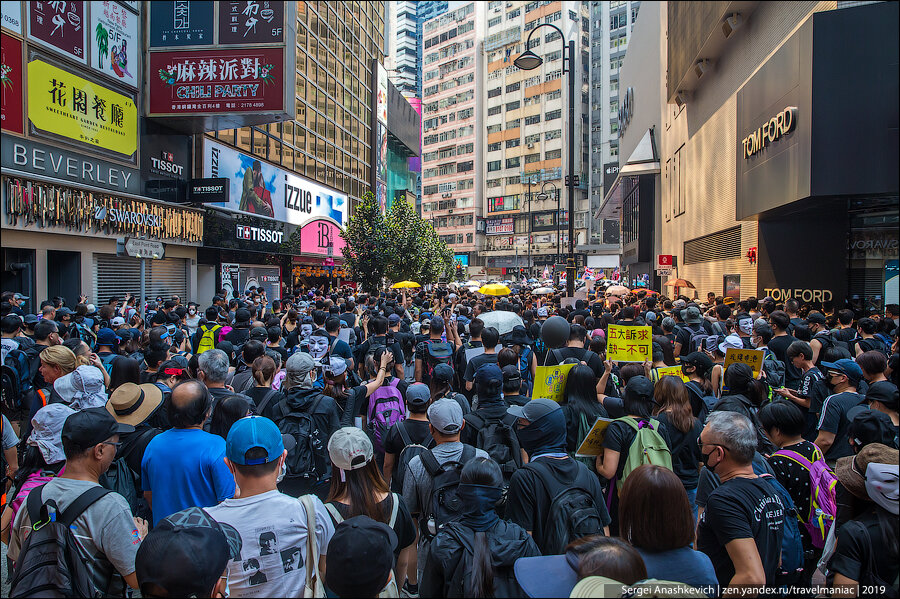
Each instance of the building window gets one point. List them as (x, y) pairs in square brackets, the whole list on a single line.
[(464, 167), (553, 155), (494, 146), (555, 55), (493, 165), (678, 177), (531, 158), (533, 138), (493, 93), (491, 129), (495, 21), (554, 95), (512, 87), (494, 110), (513, 105), (555, 134), (513, 124), (552, 115), (553, 75), (512, 143), (533, 120), (512, 162)]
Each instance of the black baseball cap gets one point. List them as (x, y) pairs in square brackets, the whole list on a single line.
[(884, 392), (181, 561), (816, 318), (360, 557), (90, 426), (870, 426), (442, 373), (698, 360)]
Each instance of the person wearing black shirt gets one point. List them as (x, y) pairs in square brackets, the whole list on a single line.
[(379, 338), (542, 434), (240, 334), (672, 408), (779, 344), (490, 338), (574, 349), (742, 527), (784, 423), (811, 393), (694, 324), (415, 428), (866, 549), (842, 377)]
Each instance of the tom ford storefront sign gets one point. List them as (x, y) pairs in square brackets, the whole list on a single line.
[(771, 131)]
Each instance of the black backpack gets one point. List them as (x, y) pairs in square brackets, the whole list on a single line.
[(573, 512), (309, 458), (121, 479), (444, 504), (498, 438), (437, 352), (17, 379), (50, 563), (409, 451)]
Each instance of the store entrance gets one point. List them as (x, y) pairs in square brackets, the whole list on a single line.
[(64, 275)]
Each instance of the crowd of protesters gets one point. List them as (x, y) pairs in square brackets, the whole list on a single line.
[(394, 444)]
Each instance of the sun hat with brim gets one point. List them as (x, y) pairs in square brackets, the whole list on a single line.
[(133, 404), (46, 432), (547, 575), (731, 341), (851, 471), (519, 336), (82, 388)]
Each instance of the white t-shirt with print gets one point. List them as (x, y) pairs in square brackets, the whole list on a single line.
[(273, 533)]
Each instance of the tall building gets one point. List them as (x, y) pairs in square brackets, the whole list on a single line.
[(425, 11), (452, 154), (329, 141), (611, 25), (402, 59), (525, 129)]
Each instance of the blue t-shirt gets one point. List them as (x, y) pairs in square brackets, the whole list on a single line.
[(184, 468), (681, 565)]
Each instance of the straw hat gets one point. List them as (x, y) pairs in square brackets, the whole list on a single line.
[(851, 471), (133, 404)]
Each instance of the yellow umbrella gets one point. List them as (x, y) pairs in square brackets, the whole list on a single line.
[(405, 285), (495, 289)]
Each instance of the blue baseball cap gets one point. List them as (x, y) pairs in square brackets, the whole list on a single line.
[(848, 367), (107, 336), (251, 432)]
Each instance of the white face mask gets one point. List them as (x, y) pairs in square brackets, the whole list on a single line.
[(318, 347)]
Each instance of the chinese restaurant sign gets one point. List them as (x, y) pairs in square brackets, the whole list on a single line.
[(11, 116), (181, 23), (251, 22), (210, 81), (64, 104), (114, 50), (59, 25)]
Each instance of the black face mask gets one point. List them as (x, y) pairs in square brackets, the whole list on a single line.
[(704, 458)]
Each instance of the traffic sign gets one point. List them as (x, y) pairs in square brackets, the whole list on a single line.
[(145, 248), (663, 272)]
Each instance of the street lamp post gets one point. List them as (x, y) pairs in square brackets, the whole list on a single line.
[(531, 181), (543, 196), (528, 61)]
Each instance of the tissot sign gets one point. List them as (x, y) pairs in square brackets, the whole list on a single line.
[(250, 233)]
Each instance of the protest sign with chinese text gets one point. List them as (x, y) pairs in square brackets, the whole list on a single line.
[(629, 344)]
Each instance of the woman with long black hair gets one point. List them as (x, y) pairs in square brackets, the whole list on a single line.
[(581, 406), (474, 557), (672, 407)]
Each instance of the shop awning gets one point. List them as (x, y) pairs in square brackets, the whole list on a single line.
[(644, 160)]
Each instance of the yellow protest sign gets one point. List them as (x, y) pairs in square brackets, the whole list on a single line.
[(629, 344), (671, 371), (751, 357), (550, 381), (593, 442), (65, 104)]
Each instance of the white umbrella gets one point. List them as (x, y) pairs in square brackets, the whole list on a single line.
[(502, 321), (472, 283), (542, 291), (473, 288)]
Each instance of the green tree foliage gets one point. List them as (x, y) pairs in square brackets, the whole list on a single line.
[(365, 254), (399, 246)]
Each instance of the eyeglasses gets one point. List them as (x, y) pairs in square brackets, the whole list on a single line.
[(117, 445), (700, 445)]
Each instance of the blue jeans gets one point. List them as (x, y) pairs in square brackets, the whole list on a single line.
[(692, 499)]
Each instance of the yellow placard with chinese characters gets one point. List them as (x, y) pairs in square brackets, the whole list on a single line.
[(550, 381), (751, 357), (593, 443), (629, 344), (671, 371), (82, 110)]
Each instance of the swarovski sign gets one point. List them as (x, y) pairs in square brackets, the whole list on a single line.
[(771, 131)]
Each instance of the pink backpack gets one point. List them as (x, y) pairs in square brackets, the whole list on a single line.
[(386, 408), (822, 501)]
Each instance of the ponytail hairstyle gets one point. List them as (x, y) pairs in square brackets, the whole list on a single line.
[(480, 583)]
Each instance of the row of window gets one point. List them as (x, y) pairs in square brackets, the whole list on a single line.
[(449, 101), (458, 238), (455, 82), (460, 150), (449, 186), (449, 17), (432, 123), (448, 169), (448, 51), (450, 204), (448, 135)]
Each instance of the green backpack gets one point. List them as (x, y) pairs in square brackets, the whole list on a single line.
[(648, 447)]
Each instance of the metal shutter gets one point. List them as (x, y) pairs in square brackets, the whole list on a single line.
[(717, 246), (866, 282), (117, 275)]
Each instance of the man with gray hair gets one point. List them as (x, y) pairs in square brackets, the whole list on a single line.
[(213, 372), (741, 529), (304, 403)]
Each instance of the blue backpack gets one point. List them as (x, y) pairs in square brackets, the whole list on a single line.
[(525, 371), (792, 543), (17, 377)]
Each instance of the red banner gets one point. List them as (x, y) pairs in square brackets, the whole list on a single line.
[(12, 114), (213, 81), (60, 25)]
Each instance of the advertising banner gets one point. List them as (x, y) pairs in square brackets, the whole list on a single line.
[(629, 344), (499, 226), (251, 22), (230, 279), (321, 237), (181, 23), (261, 189), (59, 25), (63, 104), (209, 81), (12, 116), (267, 277), (461, 259), (12, 15), (115, 46)]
